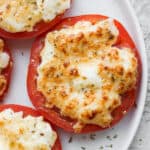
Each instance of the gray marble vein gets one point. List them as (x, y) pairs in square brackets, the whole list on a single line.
[(142, 138)]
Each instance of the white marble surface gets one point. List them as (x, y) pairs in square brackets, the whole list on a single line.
[(142, 138)]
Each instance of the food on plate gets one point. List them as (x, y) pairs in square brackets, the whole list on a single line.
[(23, 128), (5, 68), (85, 74), (29, 18)]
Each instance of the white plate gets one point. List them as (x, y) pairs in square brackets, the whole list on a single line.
[(121, 136)]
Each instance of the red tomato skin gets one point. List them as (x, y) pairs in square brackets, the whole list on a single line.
[(128, 100), (29, 111), (7, 71)]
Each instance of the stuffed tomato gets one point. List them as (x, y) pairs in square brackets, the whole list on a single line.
[(84, 75), (24, 128), (25, 19)]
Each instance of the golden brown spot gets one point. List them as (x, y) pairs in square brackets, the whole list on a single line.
[(1, 45), (115, 103), (8, 6), (63, 94), (3, 83), (74, 72), (66, 64), (1, 123), (21, 131), (120, 70)]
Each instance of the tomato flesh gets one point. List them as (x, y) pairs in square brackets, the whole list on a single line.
[(38, 100)]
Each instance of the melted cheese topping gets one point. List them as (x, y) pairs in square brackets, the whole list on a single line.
[(83, 74), (4, 61), (23, 15), (28, 133)]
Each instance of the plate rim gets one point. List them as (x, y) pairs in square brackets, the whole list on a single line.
[(143, 90)]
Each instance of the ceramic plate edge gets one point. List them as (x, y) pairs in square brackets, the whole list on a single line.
[(144, 74)]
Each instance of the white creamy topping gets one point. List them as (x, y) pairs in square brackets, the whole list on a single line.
[(23, 15), (50, 8), (83, 74), (27, 133), (89, 75), (86, 26), (4, 60)]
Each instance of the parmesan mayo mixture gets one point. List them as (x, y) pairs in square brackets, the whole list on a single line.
[(83, 74), (23, 15), (24, 133), (4, 61)]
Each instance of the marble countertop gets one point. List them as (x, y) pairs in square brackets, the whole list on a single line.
[(142, 138)]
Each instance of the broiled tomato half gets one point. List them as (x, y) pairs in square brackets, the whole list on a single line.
[(6, 64), (27, 111), (28, 19), (127, 93)]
